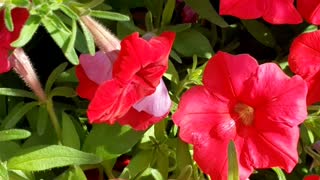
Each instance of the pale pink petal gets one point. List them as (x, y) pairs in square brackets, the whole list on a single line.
[(156, 104), (98, 67)]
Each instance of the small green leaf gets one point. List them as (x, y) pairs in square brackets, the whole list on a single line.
[(109, 15), (167, 12), (17, 93), (14, 134), (51, 157), (192, 42), (279, 172), (233, 171), (149, 21), (3, 171), (89, 38), (8, 18), (27, 31), (260, 32), (63, 91), (205, 10), (54, 75), (42, 120), (175, 56), (16, 114), (70, 136)]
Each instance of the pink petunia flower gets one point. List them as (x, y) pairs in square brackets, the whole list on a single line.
[(304, 60), (272, 11), (257, 106), (312, 177), (309, 10), (125, 85), (19, 17)]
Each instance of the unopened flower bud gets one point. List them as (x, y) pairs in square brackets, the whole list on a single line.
[(22, 66)]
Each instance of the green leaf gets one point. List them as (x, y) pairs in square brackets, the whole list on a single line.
[(89, 38), (63, 91), (192, 42), (70, 136), (14, 134), (125, 28), (149, 21), (72, 39), (115, 139), (183, 156), (74, 173), (54, 75), (8, 149), (16, 114), (167, 12), (279, 172), (260, 32), (27, 31), (51, 157), (68, 11), (8, 18), (178, 27), (42, 120), (3, 171), (17, 93), (205, 10), (233, 171), (109, 15), (139, 163), (61, 35), (21, 3), (186, 173), (156, 174)]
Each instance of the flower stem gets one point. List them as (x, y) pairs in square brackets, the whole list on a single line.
[(54, 119)]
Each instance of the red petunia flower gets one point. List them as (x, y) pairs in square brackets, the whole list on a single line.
[(312, 177), (309, 10), (304, 60), (273, 11), (19, 17), (126, 86), (257, 106)]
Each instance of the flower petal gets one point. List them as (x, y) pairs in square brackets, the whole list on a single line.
[(156, 104), (310, 10), (143, 60), (281, 12), (86, 88), (243, 9), (201, 113), (98, 68), (225, 74), (304, 56), (276, 146), (111, 101), (139, 121), (275, 97)]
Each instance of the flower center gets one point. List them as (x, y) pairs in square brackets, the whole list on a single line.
[(245, 112)]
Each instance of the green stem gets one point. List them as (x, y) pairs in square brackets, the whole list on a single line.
[(54, 119)]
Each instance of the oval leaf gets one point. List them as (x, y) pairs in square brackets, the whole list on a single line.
[(109, 15), (233, 172), (14, 134), (51, 157), (27, 31)]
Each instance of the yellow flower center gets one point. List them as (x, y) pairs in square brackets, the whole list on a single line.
[(245, 112)]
